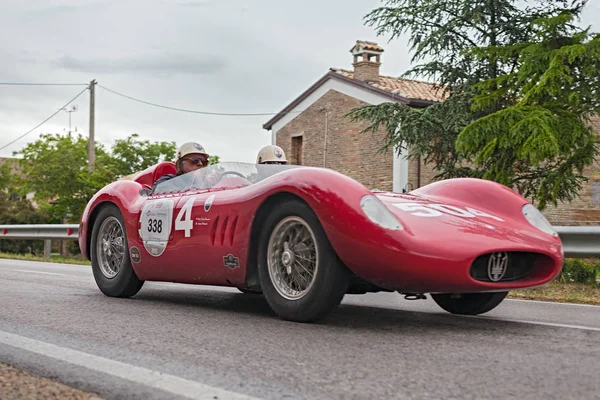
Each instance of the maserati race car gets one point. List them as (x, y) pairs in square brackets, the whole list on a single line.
[(304, 237)]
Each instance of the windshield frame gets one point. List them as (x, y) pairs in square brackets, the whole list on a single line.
[(208, 178)]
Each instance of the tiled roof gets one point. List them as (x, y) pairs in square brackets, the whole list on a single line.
[(411, 92), (406, 88), (367, 46)]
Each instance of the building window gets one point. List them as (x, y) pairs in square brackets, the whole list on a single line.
[(297, 150)]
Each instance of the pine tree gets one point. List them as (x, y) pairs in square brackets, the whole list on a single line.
[(519, 87)]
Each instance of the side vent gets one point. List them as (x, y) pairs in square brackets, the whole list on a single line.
[(232, 230), (223, 229), (213, 231)]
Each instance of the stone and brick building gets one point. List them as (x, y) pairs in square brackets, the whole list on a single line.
[(313, 131)]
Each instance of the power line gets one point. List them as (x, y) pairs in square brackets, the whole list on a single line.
[(190, 111), (44, 121), (40, 84)]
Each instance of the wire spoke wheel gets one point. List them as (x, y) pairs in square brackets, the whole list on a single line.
[(111, 263), (292, 258), (300, 274), (110, 247)]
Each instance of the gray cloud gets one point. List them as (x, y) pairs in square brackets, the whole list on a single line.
[(196, 3), (163, 64), (233, 56), (55, 10)]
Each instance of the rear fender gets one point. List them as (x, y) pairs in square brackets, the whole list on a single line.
[(335, 200)]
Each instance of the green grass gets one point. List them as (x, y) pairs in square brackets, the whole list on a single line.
[(53, 258), (561, 292)]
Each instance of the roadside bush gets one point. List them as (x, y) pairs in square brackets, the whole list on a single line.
[(16, 212), (578, 271), (73, 247)]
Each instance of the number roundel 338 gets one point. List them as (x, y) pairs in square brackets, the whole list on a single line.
[(155, 218)]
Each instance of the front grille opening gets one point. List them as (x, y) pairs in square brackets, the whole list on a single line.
[(519, 265)]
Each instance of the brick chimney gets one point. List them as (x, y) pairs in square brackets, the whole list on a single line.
[(366, 69)]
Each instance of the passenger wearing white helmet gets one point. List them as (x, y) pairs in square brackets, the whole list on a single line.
[(190, 157), (271, 154)]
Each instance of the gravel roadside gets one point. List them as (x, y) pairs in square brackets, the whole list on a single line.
[(17, 385)]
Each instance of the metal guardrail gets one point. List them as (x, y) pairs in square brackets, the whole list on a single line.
[(46, 232), (578, 241)]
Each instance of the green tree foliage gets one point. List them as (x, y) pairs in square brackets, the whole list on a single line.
[(55, 168), (501, 70), (214, 160), (5, 175), (537, 134), (132, 155)]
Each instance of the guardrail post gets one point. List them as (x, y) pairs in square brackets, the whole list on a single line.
[(47, 248)]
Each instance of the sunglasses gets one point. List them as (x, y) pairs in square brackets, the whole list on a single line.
[(275, 162), (196, 160)]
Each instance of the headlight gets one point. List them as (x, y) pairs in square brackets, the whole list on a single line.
[(537, 219), (379, 213)]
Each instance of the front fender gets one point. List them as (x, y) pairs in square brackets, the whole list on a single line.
[(123, 194)]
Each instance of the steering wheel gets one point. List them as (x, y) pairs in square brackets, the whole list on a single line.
[(222, 175), (232, 173)]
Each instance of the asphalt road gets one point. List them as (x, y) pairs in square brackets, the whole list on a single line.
[(183, 341)]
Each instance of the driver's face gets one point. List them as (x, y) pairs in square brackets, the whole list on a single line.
[(194, 161)]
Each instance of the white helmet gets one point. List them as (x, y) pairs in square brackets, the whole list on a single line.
[(189, 148), (271, 154)]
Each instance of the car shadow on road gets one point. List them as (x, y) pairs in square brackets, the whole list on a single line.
[(347, 316)]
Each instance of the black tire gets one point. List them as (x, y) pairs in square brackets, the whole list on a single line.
[(125, 283), (330, 281), (469, 303), (249, 291)]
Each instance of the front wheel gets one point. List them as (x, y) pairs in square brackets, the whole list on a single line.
[(300, 274), (469, 303), (111, 264)]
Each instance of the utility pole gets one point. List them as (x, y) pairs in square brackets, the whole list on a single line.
[(91, 145)]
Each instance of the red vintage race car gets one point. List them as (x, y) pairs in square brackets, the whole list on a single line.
[(304, 237)]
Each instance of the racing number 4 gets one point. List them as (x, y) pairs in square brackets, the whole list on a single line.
[(184, 222)]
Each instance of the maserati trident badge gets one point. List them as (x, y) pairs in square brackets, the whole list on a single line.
[(497, 266)]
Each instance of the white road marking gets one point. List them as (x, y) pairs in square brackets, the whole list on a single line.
[(158, 380), (556, 325), (37, 272), (554, 302)]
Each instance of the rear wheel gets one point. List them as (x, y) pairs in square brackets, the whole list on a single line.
[(111, 264), (469, 303), (300, 274)]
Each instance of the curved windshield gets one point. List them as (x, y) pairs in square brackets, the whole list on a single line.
[(221, 175)]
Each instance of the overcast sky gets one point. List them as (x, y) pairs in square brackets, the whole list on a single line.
[(231, 56)]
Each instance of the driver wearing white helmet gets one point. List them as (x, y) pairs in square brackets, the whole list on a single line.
[(190, 157), (271, 154)]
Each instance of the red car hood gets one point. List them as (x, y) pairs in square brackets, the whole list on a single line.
[(445, 222)]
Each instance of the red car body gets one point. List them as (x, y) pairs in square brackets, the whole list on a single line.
[(449, 229)]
